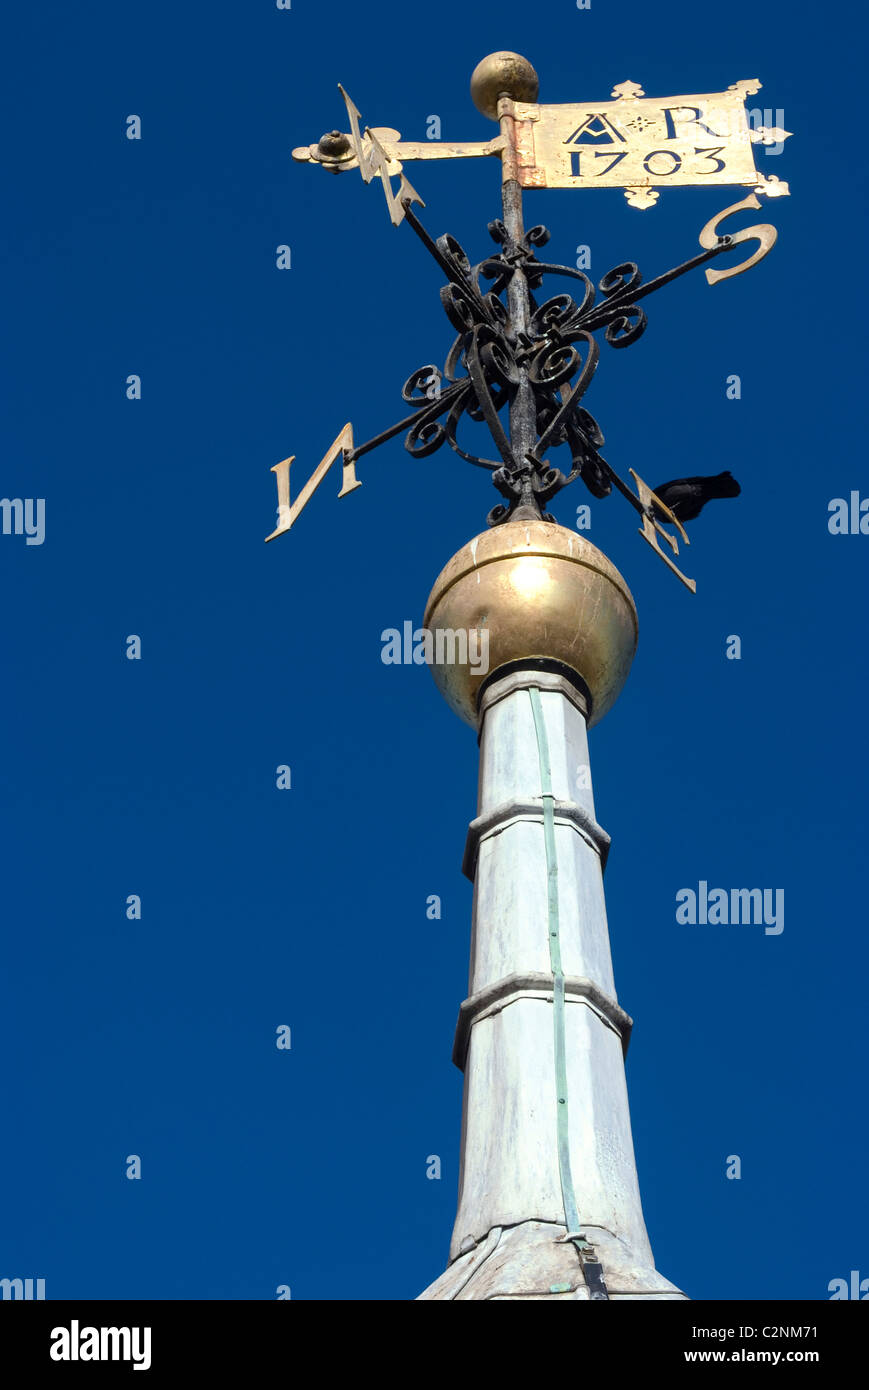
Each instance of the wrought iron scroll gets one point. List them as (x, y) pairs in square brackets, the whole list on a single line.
[(556, 354)]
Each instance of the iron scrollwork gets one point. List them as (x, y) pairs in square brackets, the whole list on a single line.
[(543, 369)]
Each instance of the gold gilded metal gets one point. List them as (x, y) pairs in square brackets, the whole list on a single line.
[(539, 590), (763, 232), (397, 149), (627, 90), (772, 186), (636, 143), (641, 143), (642, 197), (502, 74), (375, 160), (379, 152), (380, 162), (287, 514), (769, 135), (651, 528)]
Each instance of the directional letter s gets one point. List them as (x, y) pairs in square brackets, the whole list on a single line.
[(764, 233)]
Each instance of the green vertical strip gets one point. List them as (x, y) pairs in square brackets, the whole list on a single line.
[(568, 1196)]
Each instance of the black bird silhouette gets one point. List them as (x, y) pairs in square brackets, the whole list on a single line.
[(686, 497)]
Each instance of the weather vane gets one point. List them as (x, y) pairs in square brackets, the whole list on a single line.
[(549, 1203), (533, 361)]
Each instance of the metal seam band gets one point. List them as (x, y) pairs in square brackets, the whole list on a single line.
[(571, 1215), (491, 999), (506, 813), (594, 1275)]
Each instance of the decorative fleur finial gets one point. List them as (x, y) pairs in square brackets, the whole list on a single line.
[(625, 90), (769, 135), (772, 186), (642, 197)]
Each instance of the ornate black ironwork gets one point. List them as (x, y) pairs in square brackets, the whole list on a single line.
[(538, 367)]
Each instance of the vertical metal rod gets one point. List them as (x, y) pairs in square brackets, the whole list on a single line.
[(523, 410)]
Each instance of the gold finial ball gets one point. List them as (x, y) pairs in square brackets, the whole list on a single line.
[(502, 74), (539, 591)]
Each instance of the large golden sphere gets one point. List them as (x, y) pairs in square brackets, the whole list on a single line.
[(502, 74), (541, 592)]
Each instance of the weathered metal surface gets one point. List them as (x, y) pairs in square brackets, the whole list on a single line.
[(510, 1166), (509, 811), (535, 985), (528, 1262)]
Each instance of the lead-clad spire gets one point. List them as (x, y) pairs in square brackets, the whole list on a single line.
[(549, 1204)]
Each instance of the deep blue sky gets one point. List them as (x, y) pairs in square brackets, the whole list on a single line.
[(307, 907)]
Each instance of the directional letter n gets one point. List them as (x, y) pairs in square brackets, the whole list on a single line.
[(287, 514)]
